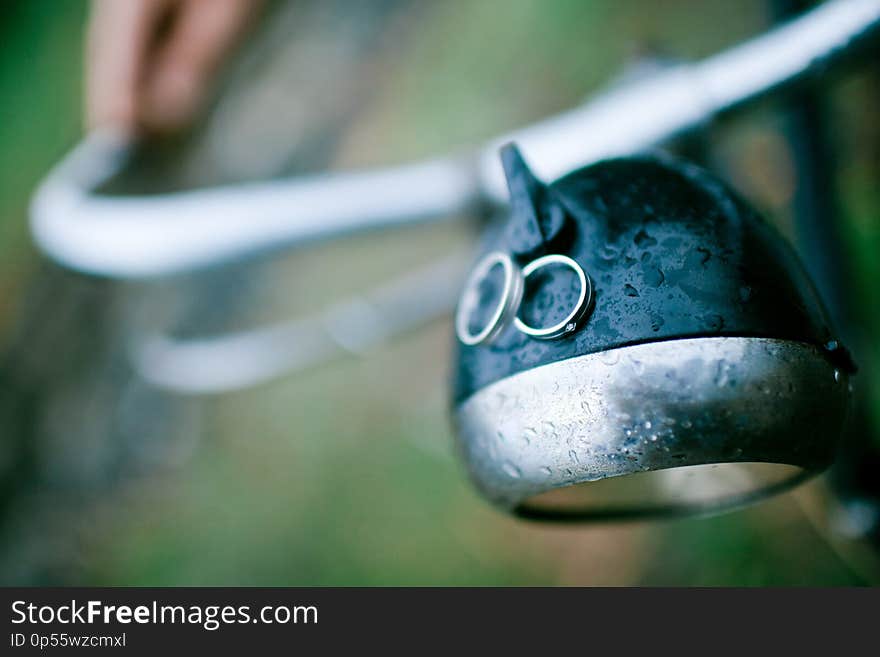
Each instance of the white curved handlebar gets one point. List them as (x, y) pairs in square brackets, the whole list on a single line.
[(138, 237), (143, 237)]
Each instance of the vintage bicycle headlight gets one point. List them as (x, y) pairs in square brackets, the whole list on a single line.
[(637, 342)]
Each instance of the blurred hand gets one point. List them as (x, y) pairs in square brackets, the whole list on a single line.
[(150, 63)]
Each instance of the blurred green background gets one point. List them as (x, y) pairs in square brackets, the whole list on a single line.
[(345, 475)]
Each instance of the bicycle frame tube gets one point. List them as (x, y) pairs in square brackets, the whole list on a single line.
[(133, 237), (198, 366)]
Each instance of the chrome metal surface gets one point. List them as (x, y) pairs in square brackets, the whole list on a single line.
[(675, 413), (508, 301), (136, 237), (574, 317)]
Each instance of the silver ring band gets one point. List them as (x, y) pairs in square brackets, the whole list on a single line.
[(585, 298), (508, 304)]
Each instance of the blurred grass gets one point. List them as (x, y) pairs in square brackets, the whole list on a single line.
[(345, 475), (40, 91)]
